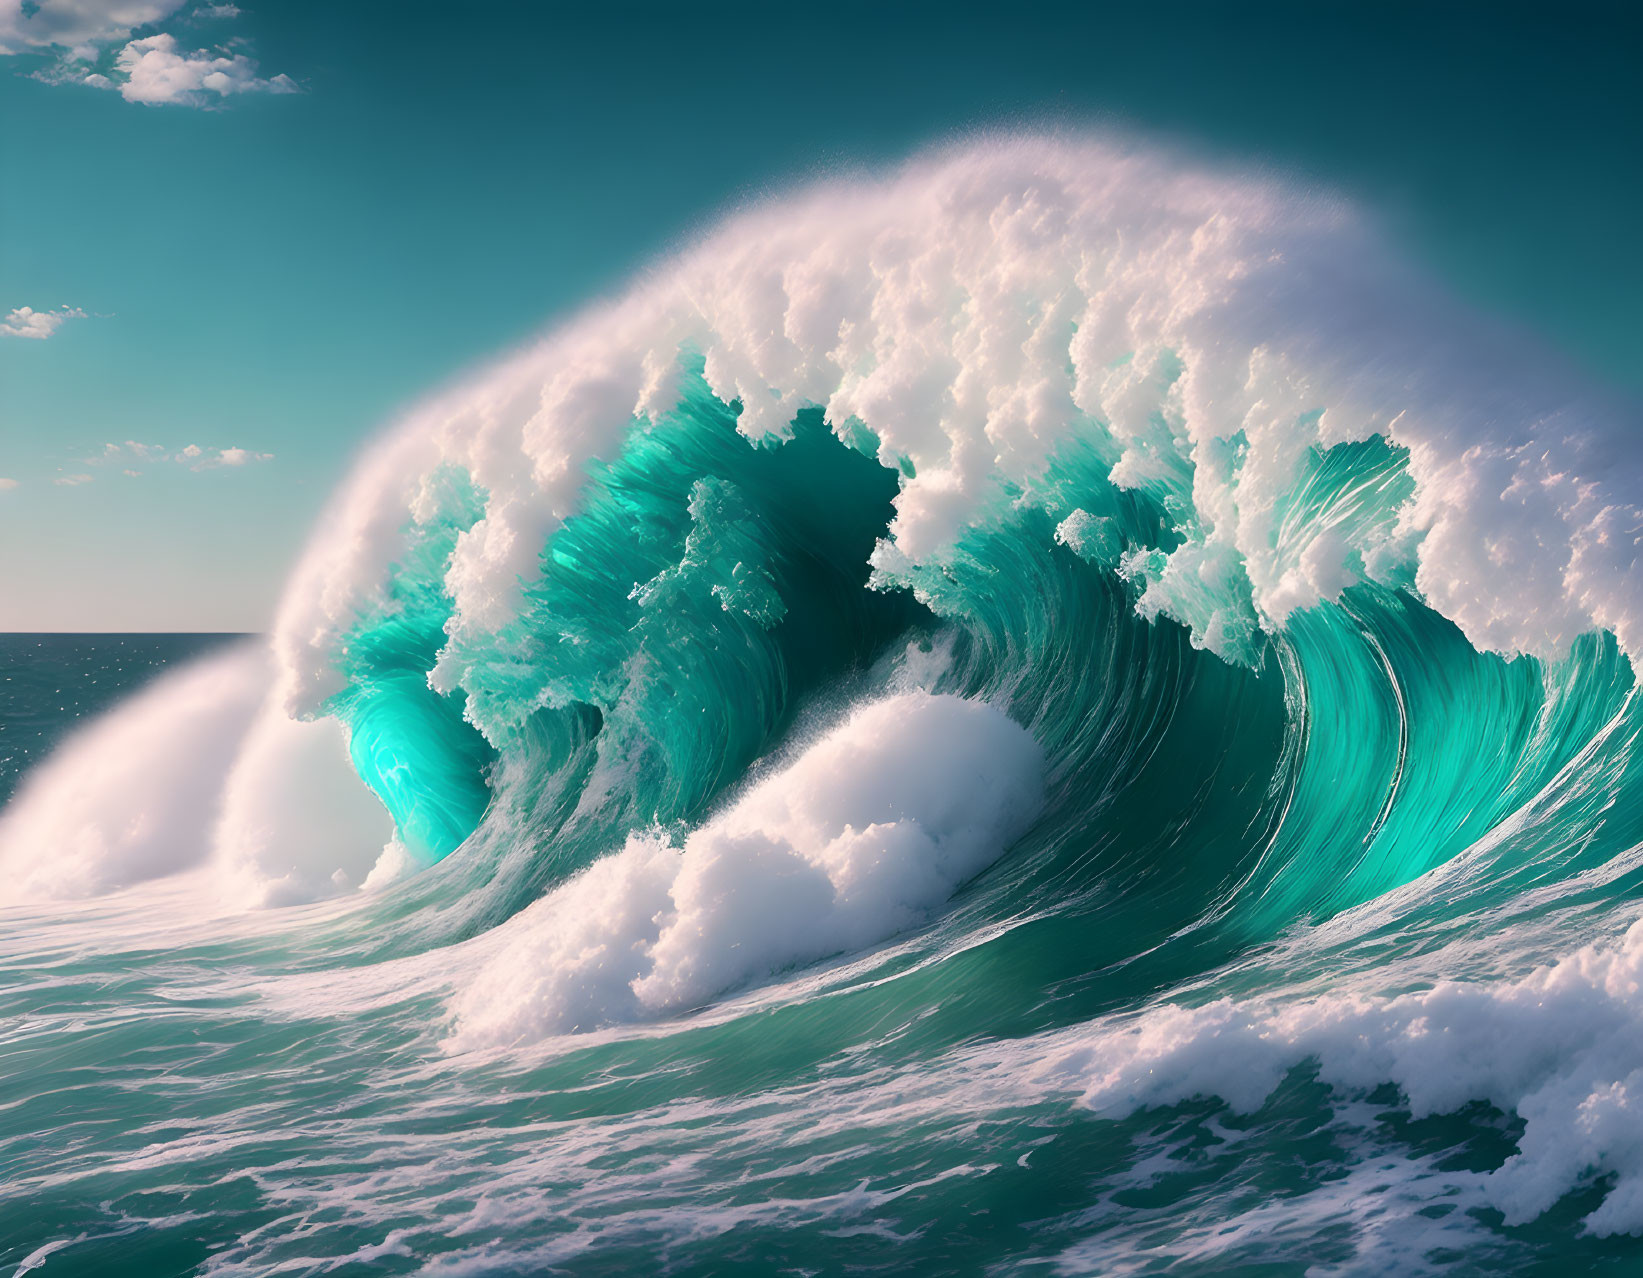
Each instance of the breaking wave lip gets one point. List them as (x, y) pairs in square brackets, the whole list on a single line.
[(1136, 530)]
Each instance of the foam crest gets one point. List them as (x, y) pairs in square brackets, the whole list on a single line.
[(863, 835)]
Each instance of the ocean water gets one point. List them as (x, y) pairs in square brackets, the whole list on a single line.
[(1049, 711)]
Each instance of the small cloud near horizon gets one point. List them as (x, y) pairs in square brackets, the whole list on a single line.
[(27, 322), (71, 481), (190, 457), (6, 485)]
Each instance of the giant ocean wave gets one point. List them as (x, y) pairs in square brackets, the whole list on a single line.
[(1053, 636)]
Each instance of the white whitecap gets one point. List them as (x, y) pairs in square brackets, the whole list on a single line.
[(863, 835)]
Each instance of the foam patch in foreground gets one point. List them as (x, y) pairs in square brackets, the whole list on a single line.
[(1560, 1047), (866, 833)]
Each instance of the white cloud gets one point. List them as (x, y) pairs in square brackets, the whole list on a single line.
[(71, 481), (152, 69), (77, 26), (156, 72), (6, 485), (240, 457), (192, 457), (130, 449), (25, 321)]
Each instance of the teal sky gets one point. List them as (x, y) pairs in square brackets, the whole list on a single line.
[(272, 259)]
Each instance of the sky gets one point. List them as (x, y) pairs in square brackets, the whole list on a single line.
[(237, 239)]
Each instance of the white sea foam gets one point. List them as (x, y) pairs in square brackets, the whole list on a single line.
[(1560, 1046), (131, 796), (867, 831), (201, 766), (297, 822)]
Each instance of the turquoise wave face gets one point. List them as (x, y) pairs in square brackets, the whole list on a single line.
[(710, 589), (704, 590)]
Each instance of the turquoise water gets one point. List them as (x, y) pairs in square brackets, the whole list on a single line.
[(765, 893)]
